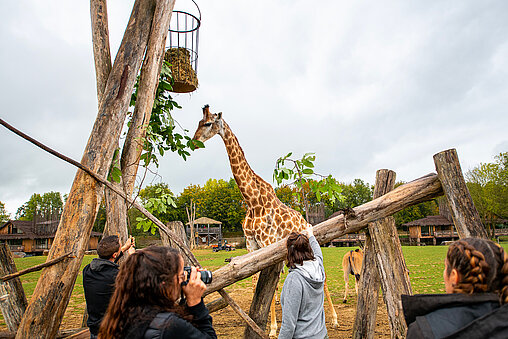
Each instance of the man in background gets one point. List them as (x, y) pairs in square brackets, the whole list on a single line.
[(99, 279)]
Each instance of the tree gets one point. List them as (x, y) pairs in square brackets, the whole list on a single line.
[(355, 194), (48, 206), (488, 186), (4, 215)]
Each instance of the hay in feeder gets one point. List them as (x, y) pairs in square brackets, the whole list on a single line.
[(184, 76)]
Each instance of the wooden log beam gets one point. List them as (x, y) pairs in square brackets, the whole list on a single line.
[(465, 216), (216, 305), (36, 267), (74, 333), (54, 287), (12, 296), (412, 193)]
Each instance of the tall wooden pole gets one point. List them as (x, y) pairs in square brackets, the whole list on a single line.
[(54, 287), (368, 291), (133, 145), (391, 266), (465, 216)]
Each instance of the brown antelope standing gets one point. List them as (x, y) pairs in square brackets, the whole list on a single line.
[(352, 264)]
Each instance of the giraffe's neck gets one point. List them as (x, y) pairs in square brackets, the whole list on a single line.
[(248, 182)]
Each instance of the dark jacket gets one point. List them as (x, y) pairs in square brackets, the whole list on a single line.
[(168, 325), (99, 284), (455, 316)]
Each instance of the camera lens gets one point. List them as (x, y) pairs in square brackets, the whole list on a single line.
[(206, 277)]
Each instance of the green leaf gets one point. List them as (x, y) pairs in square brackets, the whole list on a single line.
[(307, 171)]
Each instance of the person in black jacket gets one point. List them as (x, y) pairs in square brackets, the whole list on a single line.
[(99, 279), (476, 303), (144, 304)]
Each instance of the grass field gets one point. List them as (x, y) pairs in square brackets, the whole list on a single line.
[(424, 263)]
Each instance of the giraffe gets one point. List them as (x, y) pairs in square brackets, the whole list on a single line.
[(267, 219)]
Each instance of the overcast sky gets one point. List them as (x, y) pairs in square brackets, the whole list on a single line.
[(363, 84)]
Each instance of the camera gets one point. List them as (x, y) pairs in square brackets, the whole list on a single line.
[(206, 276)]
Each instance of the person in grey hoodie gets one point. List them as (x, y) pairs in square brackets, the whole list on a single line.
[(302, 295)]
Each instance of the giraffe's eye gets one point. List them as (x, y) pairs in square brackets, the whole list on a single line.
[(207, 124)]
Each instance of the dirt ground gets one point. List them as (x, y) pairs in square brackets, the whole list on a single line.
[(228, 324)]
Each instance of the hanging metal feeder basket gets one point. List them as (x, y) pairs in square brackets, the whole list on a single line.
[(182, 50)]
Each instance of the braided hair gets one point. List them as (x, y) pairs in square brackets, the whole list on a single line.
[(482, 266)]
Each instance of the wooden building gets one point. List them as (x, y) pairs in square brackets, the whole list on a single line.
[(204, 233), (434, 229), (35, 237)]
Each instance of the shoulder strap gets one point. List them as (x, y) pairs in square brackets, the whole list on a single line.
[(160, 319), (158, 323)]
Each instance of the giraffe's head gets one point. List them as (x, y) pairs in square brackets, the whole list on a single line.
[(210, 125)]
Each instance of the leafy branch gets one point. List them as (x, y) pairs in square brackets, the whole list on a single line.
[(301, 172)]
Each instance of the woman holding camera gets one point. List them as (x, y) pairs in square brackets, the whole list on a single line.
[(144, 304)]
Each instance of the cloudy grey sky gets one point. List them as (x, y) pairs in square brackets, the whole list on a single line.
[(363, 84)]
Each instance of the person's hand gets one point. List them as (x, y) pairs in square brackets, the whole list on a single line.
[(310, 231), (129, 245), (195, 288)]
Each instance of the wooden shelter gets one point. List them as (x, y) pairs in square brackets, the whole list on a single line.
[(35, 237), (203, 232), (435, 229)]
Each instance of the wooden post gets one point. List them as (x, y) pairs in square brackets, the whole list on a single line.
[(54, 287), (391, 265), (368, 291), (12, 296), (263, 296), (178, 229), (133, 145), (465, 216), (368, 294), (412, 193)]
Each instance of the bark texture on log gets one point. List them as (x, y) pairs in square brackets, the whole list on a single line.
[(179, 229), (260, 306), (465, 216), (12, 296), (51, 295), (216, 305), (133, 145), (412, 193), (392, 268), (100, 39), (368, 294)]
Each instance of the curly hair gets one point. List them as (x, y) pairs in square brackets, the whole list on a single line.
[(145, 281), (299, 249), (482, 266)]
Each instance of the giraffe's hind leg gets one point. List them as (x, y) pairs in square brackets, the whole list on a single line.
[(335, 323)]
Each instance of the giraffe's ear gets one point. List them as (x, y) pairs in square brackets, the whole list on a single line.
[(219, 115)]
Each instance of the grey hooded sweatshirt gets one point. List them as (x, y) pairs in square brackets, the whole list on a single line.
[(302, 299)]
